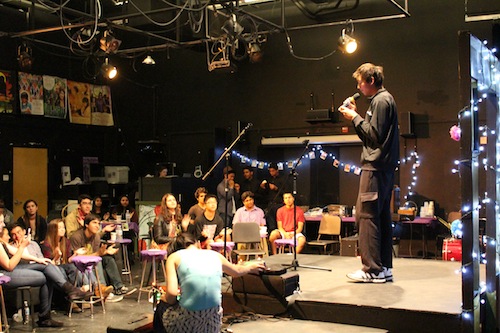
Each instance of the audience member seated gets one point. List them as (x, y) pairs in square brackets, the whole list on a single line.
[(98, 209), (193, 299), (33, 260), (57, 248), (8, 216), (87, 241), (74, 220), (196, 209), (133, 226), (249, 212), (168, 223), (286, 223), (32, 220), (21, 277), (209, 226)]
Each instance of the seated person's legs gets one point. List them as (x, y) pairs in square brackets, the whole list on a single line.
[(115, 278), (275, 234)]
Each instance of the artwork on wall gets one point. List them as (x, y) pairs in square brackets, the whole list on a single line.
[(79, 96), (54, 97), (101, 106), (6, 92), (31, 93)]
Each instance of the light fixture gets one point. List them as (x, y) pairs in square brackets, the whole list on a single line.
[(24, 57), (149, 60), (109, 71), (347, 44), (109, 43), (254, 52)]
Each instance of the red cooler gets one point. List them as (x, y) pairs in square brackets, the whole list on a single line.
[(452, 249)]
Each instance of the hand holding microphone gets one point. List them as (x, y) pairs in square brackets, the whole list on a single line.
[(348, 108)]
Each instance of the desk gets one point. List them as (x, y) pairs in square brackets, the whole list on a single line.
[(423, 222)]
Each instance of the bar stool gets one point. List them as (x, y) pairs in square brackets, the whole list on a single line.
[(219, 247), (85, 265), (283, 243), (126, 262), (4, 323), (151, 255)]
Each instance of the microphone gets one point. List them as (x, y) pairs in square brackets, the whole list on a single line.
[(351, 99), (248, 126), (305, 142)]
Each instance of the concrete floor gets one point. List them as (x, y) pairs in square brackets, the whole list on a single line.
[(420, 285)]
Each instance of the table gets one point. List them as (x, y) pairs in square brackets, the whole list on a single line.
[(347, 224), (423, 222)]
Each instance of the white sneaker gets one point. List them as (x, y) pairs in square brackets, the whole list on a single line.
[(112, 298), (361, 276), (388, 274)]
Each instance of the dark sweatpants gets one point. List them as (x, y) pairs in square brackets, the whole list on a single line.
[(374, 219)]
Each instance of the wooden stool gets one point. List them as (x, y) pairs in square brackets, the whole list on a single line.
[(85, 265), (124, 242), (151, 255)]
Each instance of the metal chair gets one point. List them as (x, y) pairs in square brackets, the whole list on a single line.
[(247, 233), (329, 232)]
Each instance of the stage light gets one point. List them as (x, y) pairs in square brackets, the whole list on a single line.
[(24, 57), (109, 43), (109, 71), (347, 44), (254, 52), (149, 60)]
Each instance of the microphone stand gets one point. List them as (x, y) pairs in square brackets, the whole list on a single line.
[(295, 263), (226, 154)]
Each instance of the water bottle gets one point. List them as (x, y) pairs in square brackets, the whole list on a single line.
[(119, 232), (127, 217), (26, 312), (353, 211)]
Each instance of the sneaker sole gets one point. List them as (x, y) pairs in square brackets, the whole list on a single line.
[(361, 280)]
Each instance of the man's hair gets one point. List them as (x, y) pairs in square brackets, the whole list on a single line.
[(288, 193), (180, 242), (200, 190), (249, 168), (368, 71), (273, 165), (228, 172), (90, 217), (208, 196), (247, 194), (82, 197), (16, 224)]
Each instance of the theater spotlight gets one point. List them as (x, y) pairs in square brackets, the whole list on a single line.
[(254, 52), (109, 43), (149, 60), (347, 44), (109, 71)]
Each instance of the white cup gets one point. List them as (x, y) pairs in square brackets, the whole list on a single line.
[(113, 236), (118, 218)]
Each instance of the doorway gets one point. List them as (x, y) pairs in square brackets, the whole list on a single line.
[(30, 179)]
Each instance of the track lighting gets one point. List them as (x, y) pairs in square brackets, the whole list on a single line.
[(109, 43)]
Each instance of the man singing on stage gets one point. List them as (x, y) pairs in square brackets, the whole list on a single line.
[(379, 134)]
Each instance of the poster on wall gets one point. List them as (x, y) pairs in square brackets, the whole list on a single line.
[(31, 93), (79, 96), (102, 113), (6, 92), (54, 97)]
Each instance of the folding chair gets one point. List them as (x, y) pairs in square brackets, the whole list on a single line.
[(247, 233), (329, 232)]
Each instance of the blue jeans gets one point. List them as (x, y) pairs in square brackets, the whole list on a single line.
[(21, 277), (108, 265)]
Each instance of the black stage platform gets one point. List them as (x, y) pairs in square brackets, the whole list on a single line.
[(424, 297)]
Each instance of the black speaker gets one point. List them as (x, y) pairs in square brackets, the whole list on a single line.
[(318, 115), (406, 125)]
